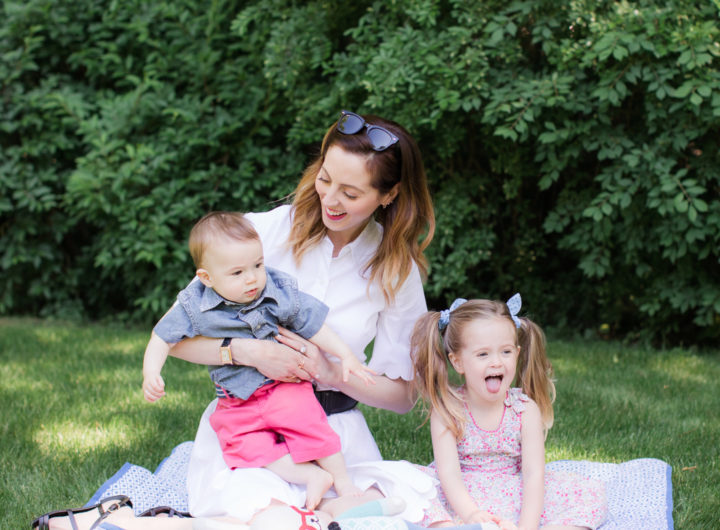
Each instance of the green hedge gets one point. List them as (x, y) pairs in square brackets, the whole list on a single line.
[(572, 147)]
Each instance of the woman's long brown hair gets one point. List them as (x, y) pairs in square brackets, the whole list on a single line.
[(408, 222)]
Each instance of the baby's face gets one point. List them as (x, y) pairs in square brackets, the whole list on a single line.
[(236, 269)]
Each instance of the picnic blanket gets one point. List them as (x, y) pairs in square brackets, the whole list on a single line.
[(639, 491)]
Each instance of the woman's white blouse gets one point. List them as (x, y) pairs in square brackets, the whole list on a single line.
[(357, 314)]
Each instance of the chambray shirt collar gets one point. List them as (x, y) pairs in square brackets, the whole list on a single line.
[(211, 299)]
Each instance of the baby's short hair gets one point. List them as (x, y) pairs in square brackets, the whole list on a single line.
[(213, 225)]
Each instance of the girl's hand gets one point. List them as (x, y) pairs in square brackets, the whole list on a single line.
[(481, 516), (352, 365), (509, 525), (153, 387)]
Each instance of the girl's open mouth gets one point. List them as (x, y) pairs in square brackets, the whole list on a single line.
[(493, 383)]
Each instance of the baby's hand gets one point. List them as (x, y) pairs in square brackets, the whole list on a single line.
[(351, 365), (153, 387)]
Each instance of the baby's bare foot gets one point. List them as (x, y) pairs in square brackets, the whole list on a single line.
[(319, 483)]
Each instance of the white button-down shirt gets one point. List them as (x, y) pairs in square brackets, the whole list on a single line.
[(357, 314)]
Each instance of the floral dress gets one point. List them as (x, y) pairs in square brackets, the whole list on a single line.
[(491, 465)]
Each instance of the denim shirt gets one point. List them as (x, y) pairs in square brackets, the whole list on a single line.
[(201, 311)]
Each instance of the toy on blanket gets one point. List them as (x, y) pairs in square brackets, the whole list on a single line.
[(283, 517), (395, 523), (377, 515), (380, 511), (373, 515)]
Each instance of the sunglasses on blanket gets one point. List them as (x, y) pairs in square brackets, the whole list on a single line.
[(380, 137)]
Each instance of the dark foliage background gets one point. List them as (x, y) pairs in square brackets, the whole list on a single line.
[(572, 147)]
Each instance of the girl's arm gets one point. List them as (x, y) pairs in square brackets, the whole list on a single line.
[(271, 359), (385, 393), (450, 475), (533, 467)]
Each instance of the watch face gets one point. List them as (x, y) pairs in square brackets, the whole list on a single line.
[(225, 355)]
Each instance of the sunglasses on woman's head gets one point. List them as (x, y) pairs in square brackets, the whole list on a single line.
[(380, 137)]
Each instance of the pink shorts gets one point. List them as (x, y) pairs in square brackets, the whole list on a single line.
[(248, 429)]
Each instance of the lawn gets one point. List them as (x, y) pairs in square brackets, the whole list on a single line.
[(73, 413)]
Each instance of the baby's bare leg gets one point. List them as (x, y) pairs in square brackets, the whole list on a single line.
[(316, 480), (335, 465)]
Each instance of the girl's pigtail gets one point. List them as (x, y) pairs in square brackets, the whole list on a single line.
[(534, 369), (431, 379)]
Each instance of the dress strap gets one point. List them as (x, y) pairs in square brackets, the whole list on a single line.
[(516, 400)]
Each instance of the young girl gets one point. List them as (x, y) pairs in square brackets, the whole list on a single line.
[(488, 437)]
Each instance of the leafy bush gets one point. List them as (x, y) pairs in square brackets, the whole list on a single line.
[(571, 147)]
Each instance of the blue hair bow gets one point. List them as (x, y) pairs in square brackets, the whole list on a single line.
[(445, 313), (514, 304)]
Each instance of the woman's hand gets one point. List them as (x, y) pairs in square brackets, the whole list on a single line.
[(273, 360), (390, 394), (316, 365)]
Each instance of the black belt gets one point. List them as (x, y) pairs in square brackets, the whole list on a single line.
[(334, 402)]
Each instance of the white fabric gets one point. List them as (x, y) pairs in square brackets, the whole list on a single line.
[(357, 315)]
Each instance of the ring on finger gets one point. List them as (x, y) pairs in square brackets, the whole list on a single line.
[(303, 349), (301, 364)]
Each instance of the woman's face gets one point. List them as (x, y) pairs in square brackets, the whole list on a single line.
[(346, 195)]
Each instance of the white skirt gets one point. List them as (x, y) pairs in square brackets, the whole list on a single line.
[(215, 490)]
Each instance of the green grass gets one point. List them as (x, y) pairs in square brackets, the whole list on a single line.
[(73, 414)]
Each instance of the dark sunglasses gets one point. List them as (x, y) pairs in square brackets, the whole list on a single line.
[(351, 123)]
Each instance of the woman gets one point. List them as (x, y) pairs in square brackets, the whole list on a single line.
[(353, 237)]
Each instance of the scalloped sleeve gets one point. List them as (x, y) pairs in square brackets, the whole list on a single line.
[(391, 350)]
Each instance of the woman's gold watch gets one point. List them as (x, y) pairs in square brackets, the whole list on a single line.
[(226, 351)]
